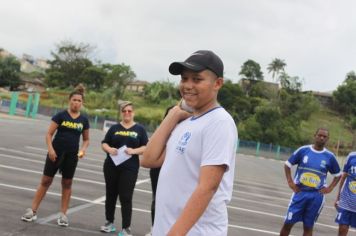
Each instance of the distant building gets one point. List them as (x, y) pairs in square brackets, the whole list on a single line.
[(30, 64), (32, 85), (4, 53), (27, 66), (30, 59), (42, 63), (325, 98), (136, 86), (246, 85)]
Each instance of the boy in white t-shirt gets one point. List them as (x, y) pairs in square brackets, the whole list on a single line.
[(197, 154)]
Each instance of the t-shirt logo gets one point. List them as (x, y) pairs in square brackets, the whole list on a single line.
[(310, 179), (72, 125), (323, 164), (183, 142), (131, 134), (352, 186), (305, 159)]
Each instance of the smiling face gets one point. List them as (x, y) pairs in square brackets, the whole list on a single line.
[(200, 89), (127, 114), (75, 103)]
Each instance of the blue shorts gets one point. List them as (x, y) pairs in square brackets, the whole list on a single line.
[(345, 217), (306, 207)]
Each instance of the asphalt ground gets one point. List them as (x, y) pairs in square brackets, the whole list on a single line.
[(259, 202)]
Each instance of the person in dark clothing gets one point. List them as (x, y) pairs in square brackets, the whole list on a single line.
[(154, 174), (63, 154), (120, 179)]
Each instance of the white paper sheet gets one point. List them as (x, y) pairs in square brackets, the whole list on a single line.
[(121, 156)]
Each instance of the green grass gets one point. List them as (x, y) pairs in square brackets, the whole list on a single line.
[(145, 112), (143, 108), (152, 114), (326, 118)]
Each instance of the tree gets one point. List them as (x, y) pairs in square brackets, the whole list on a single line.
[(351, 76), (251, 70), (118, 77), (276, 67), (233, 99), (269, 125), (159, 91), (264, 125), (69, 62), (290, 83), (298, 106), (262, 90), (94, 77), (353, 128), (10, 72), (345, 96)]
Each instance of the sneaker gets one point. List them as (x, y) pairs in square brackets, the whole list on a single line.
[(149, 234), (125, 232), (29, 216), (62, 220), (108, 227)]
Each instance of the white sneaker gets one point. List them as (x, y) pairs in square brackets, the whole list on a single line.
[(125, 232), (62, 220), (108, 227), (149, 234), (29, 215)]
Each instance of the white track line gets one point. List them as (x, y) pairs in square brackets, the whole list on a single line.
[(98, 201), (90, 153), (37, 155), (42, 162)]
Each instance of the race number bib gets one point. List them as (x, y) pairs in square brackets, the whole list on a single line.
[(310, 180)]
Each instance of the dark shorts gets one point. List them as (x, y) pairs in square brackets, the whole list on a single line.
[(345, 217), (305, 207), (66, 163)]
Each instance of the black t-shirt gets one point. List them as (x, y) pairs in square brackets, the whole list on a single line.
[(68, 131), (134, 137)]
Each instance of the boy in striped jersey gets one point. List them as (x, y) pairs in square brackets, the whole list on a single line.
[(346, 198)]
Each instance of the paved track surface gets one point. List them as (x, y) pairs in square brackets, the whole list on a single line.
[(257, 208)]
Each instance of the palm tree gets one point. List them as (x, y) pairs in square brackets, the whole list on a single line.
[(276, 67)]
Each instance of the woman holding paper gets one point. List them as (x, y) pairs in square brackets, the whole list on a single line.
[(125, 140)]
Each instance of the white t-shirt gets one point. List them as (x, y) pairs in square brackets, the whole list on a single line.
[(210, 139)]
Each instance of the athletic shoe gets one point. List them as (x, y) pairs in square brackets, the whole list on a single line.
[(149, 234), (29, 216), (62, 220), (125, 232), (108, 227)]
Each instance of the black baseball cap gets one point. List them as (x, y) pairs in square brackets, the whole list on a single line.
[(199, 61)]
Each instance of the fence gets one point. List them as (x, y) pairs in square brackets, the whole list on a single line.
[(253, 148), (264, 150)]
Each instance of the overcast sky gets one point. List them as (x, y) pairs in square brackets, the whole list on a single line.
[(316, 38)]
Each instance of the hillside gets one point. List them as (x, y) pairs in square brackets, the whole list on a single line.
[(151, 114), (339, 132)]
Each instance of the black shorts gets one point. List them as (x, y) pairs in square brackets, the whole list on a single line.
[(66, 163)]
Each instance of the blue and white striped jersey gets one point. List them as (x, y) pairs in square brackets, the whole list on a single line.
[(348, 192)]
